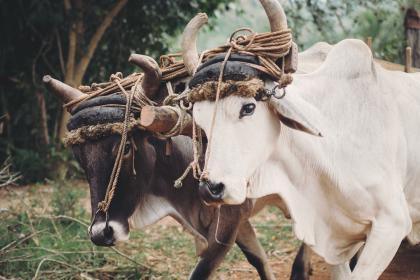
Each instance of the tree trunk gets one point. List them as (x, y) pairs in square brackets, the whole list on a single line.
[(76, 68), (412, 31), (45, 139), (74, 74)]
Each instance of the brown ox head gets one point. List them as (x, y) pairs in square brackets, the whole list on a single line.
[(95, 135)]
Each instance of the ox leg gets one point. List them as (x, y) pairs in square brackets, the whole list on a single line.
[(217, 247), (211, 259), (381, 246), (301, 269), (253, 251)]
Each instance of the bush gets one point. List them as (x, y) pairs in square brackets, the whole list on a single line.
[(64, 199), (47, 243)]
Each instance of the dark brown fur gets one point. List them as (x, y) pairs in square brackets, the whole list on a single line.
[(155, 174)]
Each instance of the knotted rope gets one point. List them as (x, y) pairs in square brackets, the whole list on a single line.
[(116, 83), (113, 180)]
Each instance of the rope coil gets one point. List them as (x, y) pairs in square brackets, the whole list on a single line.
[(267, 46)]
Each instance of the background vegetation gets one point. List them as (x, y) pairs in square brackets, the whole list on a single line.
[(43, 226), (84, 41), (76, 41)]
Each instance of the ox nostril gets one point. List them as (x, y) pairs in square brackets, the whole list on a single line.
[(103, 237), (108, 233), (217, 189), (211, 193)]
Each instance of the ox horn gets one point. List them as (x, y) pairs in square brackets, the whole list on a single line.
[(152, 73), (276, 15), (163, 119), (189, 42), (65, 92)]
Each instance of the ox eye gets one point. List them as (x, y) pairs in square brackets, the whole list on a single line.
[(247, 110)]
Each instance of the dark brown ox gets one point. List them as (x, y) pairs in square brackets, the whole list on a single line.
[(145, 192)]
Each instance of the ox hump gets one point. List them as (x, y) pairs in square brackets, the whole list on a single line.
[(349, 59), (319, 51)]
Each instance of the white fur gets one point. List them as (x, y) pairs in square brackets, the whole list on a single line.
[(120, 235), (155, 208), (359, 184), (152, 210), (310, 59)]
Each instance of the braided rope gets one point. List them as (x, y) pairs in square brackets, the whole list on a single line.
[(112, 184)]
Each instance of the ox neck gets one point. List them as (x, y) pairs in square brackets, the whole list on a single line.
[(168, 168)]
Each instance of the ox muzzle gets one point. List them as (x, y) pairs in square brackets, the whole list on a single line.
[(210, 192), (106, 232)]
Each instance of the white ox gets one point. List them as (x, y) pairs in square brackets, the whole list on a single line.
[(358, 185)]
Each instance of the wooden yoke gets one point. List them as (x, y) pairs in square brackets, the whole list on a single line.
[(163, 119)]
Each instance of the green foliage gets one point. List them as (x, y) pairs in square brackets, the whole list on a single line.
[(335, 20), (64, 199), (53, 245), (35, 42), (315, 20), (36, 165), (31, 163), (57, 250)]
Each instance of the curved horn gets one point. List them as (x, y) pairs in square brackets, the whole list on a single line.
[(189, 42), (65, 92), (276, 15), (152, 73)]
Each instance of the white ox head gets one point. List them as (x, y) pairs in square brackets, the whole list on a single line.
[(245, 129), (244, 136)]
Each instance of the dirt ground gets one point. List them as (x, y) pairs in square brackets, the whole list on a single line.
[(158, 243), (405, 266)]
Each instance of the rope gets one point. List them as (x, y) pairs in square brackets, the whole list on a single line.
[(217, 230), (107, 88), (110, 191), (267, 46), (204, 174), (180, 123)]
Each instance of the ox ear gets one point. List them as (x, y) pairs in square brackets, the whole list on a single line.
[(295, 113)]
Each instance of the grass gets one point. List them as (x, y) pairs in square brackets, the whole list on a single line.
[(43, 235)]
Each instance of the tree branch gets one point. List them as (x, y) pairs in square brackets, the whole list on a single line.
[(60, 52), (71, 54), (72, 47), (45, 139), (93, 44), (7, 177)]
